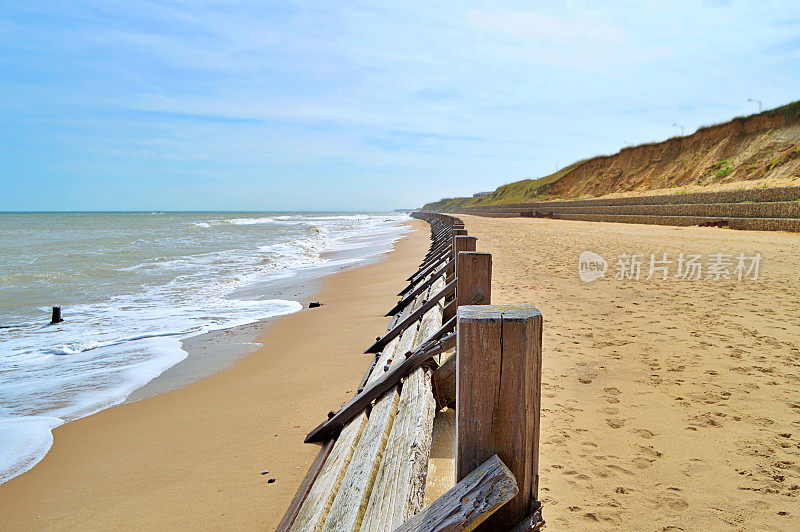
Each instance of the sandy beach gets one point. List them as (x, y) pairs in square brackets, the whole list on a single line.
[(193, 457), (667, 404)]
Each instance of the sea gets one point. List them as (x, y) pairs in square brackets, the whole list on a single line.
[(133, 287)]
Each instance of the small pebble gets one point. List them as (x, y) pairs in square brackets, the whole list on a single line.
[(270, 481), (265, 472)]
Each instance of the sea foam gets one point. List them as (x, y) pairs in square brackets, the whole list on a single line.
[(132, 289)]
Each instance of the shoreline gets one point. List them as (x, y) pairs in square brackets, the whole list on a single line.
[(214, 351), (195, 454)]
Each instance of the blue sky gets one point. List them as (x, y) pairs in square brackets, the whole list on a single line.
[(184, 105)]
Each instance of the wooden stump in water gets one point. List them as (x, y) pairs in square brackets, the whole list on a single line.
[(56, 316)]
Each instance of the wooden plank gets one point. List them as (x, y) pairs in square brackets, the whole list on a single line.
[(305, 486), (334, 469), (439, 253), (415, 359), (414, 316), (351, 498), (445, 255), (498, 381), (315, 513), (352, 495), (320, 497), (421, 288), (469, 503), (399, 489)]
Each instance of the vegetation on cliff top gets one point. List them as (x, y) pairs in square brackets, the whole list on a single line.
[(517, 192), (727, 159)]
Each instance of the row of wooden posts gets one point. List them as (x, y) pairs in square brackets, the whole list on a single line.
[(493, 381)]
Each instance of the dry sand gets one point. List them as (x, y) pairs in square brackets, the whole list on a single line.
[(667, 404), (192, 458)]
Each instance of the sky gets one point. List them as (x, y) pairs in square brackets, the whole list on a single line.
[(258, 105)]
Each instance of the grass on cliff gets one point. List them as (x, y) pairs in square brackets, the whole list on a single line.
[(536, 189), (517, 192)]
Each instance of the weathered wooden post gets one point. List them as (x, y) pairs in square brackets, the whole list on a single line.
[(463, 243), (56, 316), (498, 390), (460, 243), (473, 273)]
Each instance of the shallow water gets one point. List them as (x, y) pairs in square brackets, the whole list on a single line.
[(132, 287)]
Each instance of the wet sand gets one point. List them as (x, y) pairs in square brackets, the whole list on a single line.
[(667, 404), (193, 457)]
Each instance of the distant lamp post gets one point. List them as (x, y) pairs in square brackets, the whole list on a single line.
[(680, 126), (755, 101)]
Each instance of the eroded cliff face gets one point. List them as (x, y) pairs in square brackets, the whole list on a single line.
[(758, 147), (758, 151)]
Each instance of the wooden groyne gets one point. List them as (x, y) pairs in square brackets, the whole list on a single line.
[(764, 209), (445, 346)]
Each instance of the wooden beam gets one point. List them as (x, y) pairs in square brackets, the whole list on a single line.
[(419, 289), (438, 249), (412, 361), (399, 489), (350, 502), (457, 232), (422, 273), (348, 505), (315, 508), (498, 388), (305, 486), (469, 503), (414, 316)]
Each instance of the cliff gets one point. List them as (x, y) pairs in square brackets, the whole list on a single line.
[(750, 151)]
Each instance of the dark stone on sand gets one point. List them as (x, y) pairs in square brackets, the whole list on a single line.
[(314, 304), (270, 481), (265, 472)]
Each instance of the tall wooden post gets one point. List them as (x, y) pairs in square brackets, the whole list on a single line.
[(458, 232), (461, 243), (473, 279), (498, 390)]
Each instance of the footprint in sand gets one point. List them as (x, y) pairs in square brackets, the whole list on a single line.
[(669, 499), (642, 463), (755, 448), (615, 467), (615, 422), (649, 451), (643, 433)]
